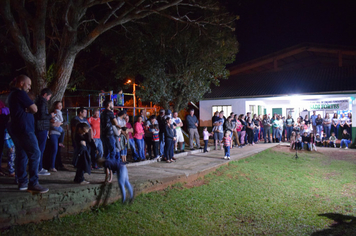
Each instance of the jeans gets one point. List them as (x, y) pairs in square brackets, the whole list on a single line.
[(155, 148), (227, 151), (99, 147), (304, 144), (255, 135), (27, 151), (280, 132), (169, 149), (327, 129), (161, 144), (133, 149), (267, 134), (60, 130), (275, 132), (249, 135), (206, 145), (289, 132), (53, 141), (140, 148), (123, 180), (109, 147), (335, 130), (193, 133), (242, 138), (345, 141), (149, 146), (318, 129), (41, 139)]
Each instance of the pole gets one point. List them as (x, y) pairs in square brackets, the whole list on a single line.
[(134, 99), (89, 101)]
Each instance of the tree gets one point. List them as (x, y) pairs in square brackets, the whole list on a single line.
[(176, 63), (52, 33)]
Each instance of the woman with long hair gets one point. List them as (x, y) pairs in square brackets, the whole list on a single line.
[(327, 125), (335, 124)]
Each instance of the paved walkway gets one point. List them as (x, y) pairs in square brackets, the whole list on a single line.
[(66, 197)]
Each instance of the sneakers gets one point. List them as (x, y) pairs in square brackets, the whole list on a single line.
[(340, 147), (225, 157), (346, 148), (37, 189), (23, 186), (84, 182), (43, 172), (53, 170), (228, 157)]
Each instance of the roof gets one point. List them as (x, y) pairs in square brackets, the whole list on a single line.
[(308, 80), (299, 56)]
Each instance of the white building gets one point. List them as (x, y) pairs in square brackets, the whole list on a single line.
[(294, 81)]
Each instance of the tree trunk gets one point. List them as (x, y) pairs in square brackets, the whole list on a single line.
[(37, 74)]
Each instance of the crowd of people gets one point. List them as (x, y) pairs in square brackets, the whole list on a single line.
[(304, 132), (105, 138)]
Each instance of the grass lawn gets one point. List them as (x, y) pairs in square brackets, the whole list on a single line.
[(267, 194)]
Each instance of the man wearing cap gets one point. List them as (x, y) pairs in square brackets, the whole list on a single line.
[(192, 125), (162, 127)]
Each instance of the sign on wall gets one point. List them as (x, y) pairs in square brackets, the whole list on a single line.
[(329, 105)]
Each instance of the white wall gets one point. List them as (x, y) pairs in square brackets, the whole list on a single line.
[(241, 105)]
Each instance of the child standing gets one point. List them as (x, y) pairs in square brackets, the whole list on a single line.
[(58, 117), (312, 142), (10, 146), (124, 144), (292, 139), (122, 177), (206, 135), (227, 144), (332, 140), (155, 140)]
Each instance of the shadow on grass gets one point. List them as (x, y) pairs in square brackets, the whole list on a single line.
[(104, 195), (343, 225)]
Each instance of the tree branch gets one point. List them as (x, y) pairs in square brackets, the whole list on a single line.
[(20, 41)]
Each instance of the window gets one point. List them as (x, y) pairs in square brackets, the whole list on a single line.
[(259, 110), (227, 110), (253, 109)]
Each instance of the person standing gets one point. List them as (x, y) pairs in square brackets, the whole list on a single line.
[(327, 125), (266, 122), (42, 125), (313, 118), (178, 125), (162, 127), (319, 124), (94, 122), (289, 126), (4, 118), (335, 124), (192, 125), (107, 120), (22, 128)]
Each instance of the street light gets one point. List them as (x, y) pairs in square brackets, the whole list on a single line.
[(129, 81)]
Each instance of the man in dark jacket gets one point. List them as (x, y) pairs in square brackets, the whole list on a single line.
[(22, 128), (42, 124)]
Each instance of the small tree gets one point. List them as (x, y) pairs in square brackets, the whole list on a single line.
[(178, 62)]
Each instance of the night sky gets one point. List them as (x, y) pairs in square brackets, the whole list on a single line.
[(266, 26)]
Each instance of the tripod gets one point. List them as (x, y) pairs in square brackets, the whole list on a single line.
[(296, 153)]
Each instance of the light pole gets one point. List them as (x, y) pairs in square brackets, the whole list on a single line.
[(133, 94)]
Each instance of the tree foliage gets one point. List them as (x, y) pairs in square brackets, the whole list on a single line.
[(176, 63), (53, 32)]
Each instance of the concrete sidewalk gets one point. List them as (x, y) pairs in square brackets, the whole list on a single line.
[(66, 197)]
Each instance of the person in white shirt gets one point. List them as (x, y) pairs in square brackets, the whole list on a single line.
[(178, 124)]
